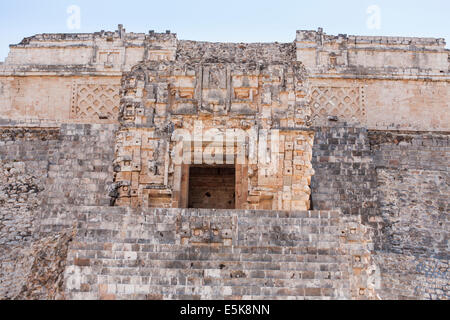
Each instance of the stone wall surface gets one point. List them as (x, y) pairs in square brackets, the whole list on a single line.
[(411, 150), (413, 188), (24, 169), (414, 206), (45, 274), (82, 167), (16, 262), (390, 174), (407, 277), (345, 174), (384, 104), (43, 167), (71, 99), (413, 200), (71, 164), (23, 172), (34, 270), (398, 181)]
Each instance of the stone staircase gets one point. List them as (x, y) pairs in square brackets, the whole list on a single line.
[(124, 253)]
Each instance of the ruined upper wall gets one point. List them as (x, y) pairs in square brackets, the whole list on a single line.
[(356, 56), (107, 51), (375, 82), (385, 83), (101, 52), (257, 53)]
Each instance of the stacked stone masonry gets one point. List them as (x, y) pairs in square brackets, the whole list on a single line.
[(206, 254), (398, 182), (94, 203), (40, 168)]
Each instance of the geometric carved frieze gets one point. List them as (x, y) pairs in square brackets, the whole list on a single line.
[(95, 102), (345, 103)]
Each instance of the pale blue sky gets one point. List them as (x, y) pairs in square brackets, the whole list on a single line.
[(226, 21)]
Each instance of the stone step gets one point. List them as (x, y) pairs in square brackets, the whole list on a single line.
[(130, 232), (300, 230), (190, 256), (207, 291), (221, 265), (136, 236), (211, 254), (184, 249), (180, 275), (104, 213), (247, 223), (313, 272), (294, 225), (175, 297), (218, 265), (327, 282), (315, 242)]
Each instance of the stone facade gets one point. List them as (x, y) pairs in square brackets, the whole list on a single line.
[(117, 149), (230, 102)]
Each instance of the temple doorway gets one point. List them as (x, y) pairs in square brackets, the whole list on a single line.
[(212, 187)]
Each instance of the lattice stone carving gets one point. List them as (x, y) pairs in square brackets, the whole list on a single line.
[(345, 103), (95, 102)]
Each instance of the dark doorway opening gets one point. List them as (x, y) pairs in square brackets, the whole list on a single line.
[(212, 187)]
